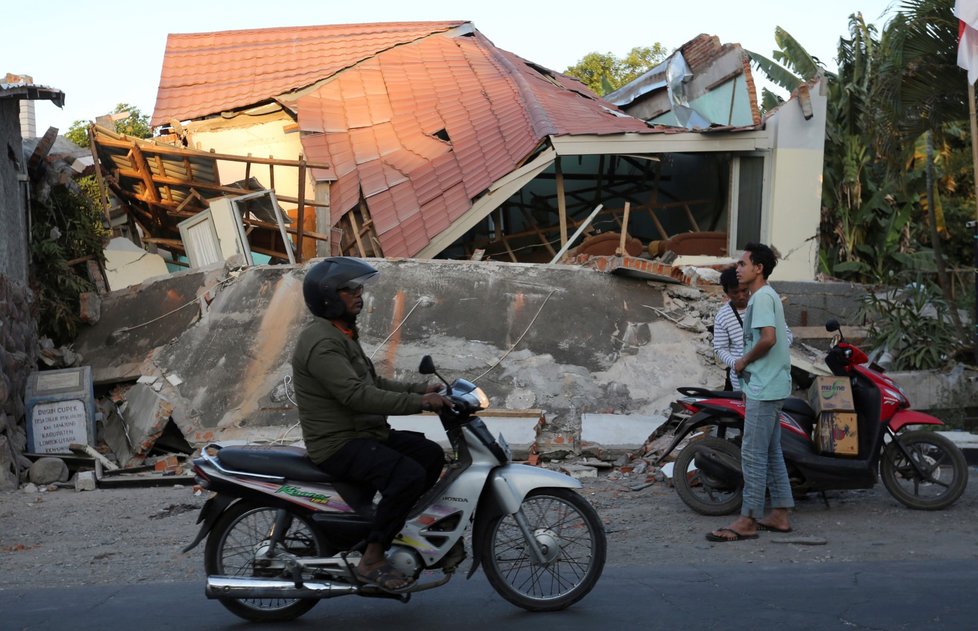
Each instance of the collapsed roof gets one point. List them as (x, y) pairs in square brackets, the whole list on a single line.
[(417, 120)]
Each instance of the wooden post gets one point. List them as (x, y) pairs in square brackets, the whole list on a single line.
[(561, 202), (577, 233), (301, 209), (624, 230)]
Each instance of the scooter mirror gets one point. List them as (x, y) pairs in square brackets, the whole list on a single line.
[(427, 366), (832, 325)]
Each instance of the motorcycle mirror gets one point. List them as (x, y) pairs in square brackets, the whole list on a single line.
[(427, 367), (832, 325)]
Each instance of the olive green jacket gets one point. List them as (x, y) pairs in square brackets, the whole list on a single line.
[(339, 394)]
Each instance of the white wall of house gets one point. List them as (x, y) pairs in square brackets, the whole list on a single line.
[(261, 137), (270, 135), (794, 203)]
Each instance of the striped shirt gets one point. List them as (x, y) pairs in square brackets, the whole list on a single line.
[(728, 339)]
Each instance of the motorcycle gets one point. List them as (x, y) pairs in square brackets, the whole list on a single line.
[(283, 535), (920, 468)]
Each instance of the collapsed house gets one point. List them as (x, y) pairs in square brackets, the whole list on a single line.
[(425, 140)]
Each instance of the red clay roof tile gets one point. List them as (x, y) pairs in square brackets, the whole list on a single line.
[(379, 105)]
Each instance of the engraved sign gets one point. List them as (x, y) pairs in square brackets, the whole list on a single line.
[(58, 424)]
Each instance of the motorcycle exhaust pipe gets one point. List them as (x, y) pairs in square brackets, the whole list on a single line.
[(246, 587)]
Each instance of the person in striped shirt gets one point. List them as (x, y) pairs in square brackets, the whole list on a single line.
[(728, 326)]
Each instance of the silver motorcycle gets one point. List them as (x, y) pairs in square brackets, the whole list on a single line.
[(283, 535)]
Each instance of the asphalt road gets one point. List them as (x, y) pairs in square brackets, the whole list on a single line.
[(888, 595)]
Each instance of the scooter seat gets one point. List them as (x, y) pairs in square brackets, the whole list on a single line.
[(287, 462), (799, 407)]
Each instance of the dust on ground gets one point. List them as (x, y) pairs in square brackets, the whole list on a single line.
[(110, 536)]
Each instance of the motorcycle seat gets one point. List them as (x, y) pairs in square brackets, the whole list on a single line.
[(692, 391), (288, 462), (799, 407)]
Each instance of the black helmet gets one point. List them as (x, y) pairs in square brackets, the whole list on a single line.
[(327, 277)]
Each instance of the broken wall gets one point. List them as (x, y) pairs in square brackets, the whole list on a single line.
[(18, 343), (564, 339)]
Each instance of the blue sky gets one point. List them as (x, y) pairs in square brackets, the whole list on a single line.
[(103, 53)]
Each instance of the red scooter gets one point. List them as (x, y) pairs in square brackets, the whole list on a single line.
[(920, 468)]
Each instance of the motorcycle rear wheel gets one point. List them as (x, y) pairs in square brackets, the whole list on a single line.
[(705, 494), (571, 536), (938, 457), (231, 548)]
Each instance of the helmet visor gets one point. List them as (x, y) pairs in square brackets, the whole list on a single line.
[(357, 283)]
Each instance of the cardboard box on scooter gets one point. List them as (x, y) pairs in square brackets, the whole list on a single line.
[(831, 394), (837, 433)]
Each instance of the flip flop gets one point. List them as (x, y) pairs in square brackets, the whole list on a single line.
[(385, 577), (768, 528), (713, 536)]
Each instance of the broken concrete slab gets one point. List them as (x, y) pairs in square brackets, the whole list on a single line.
[(140, 421), (85, 481), (127, 264), (624, 431), (136, 320)]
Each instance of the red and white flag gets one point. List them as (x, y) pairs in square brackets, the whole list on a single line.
[(967, 14)]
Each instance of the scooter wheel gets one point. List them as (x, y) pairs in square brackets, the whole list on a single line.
[(706, 493), (944, 466)]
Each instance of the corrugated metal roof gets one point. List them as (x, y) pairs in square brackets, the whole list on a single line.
[(207, 73)]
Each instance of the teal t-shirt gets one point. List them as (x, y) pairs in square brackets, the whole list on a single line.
[(767, 378)]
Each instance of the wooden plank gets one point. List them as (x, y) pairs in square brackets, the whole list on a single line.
[(624, 230), (90, 451), (819, 332), (300, 212), (355, 230)]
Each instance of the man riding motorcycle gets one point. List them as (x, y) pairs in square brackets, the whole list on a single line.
[(343, 406)]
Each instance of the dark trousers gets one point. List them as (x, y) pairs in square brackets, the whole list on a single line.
[(401, 468)]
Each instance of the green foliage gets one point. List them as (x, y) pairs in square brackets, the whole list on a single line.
[(78, 133), (65, 228), (135, 124), (912, 324), (604, 72)]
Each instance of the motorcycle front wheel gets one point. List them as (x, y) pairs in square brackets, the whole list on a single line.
[(571, 538), (708, 494), (233, 548), (944, 466)]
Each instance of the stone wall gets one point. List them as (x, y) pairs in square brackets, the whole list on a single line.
[(18, 344)]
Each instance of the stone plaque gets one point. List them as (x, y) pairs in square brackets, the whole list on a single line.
[(58, 424)]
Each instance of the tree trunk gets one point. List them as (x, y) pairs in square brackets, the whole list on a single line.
[(935, 238)]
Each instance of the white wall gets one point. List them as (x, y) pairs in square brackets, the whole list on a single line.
[(795, 202)]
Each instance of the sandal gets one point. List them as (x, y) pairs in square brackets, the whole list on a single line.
[(719, 537), (386, 578)]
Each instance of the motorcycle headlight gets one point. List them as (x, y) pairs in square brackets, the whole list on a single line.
[(481, 398)]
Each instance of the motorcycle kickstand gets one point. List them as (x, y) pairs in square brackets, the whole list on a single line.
[(825, 498)]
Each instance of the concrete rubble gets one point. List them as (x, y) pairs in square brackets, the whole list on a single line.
[(581, 366)]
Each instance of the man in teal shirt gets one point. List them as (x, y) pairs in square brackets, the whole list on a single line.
[(765, 370)]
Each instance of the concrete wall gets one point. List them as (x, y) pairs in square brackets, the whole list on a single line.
[(13, 214), (796, 162), (812, 303), (564, 339), (261, 137)]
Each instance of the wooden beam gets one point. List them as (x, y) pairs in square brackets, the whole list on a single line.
[(300, 212), (624, 231), (561, 203)]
